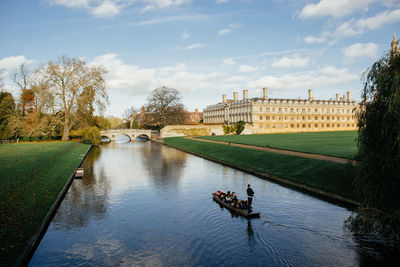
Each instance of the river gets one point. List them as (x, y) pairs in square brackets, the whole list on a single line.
[(144, 204)]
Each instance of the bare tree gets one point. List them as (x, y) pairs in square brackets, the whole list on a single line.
[(75, 86), (165, 107), (22, 78), (129, 116)]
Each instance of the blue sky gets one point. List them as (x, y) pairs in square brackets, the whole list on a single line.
[(203, 48)]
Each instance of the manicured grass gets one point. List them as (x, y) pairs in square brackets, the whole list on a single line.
[(325, 175), (25, 202), (338, 144)]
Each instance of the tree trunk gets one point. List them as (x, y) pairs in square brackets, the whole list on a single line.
[(65, 135)]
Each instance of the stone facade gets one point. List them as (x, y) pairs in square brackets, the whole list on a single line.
[(193, 117), (269, 115)]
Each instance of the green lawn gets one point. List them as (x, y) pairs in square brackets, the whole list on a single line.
[(325, 175), (338, 144), (32, 176)]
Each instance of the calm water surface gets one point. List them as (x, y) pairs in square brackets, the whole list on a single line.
[(144, 204)]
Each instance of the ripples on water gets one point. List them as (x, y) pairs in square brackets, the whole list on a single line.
[(143, 204)]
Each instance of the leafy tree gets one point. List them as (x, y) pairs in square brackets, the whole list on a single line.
[(75, 87), (102, 123), (88, 135), (240, 127), (11, 124), (229, 128), (165, 107), (378, 180)]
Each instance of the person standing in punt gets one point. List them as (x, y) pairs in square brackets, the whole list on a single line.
[(250, 194)]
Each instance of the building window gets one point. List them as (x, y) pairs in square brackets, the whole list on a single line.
[(273, 109), (267, 109), (291, 125), (316, 110), (267, 118), (266, 125), (261, 117), (304, 125), (261, 126), (316, 125), (316, 118), (260, 109)]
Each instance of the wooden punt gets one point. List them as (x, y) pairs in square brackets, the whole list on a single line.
[(243, 212), (79, 173)]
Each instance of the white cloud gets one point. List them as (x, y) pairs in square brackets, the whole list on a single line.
[(107, 9), (326, 76), (224, 31), (314, 39), (228, 62), (111, 8), (190, 47), (71, 3), (12, 63), (185, 36), (221, 1), (356, 27), (247, 68), (133, 80), (125, 77), (361, 50), (291, 62), (334, 8), (147, 8)]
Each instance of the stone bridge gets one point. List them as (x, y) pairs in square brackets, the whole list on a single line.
[(131, 133)]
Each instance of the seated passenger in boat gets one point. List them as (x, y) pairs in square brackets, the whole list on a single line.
[(228, 197), (234, 197), (218, 193)]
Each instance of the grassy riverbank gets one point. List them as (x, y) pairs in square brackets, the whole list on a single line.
[(337, 144), (324, 175), (32, 177)]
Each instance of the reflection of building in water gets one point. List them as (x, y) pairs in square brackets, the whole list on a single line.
[(286, 115), (164, 165), (86, 198)]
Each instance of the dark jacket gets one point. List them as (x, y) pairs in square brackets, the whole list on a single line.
[(250, 192)]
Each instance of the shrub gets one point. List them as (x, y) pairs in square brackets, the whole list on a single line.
[(88, 135)]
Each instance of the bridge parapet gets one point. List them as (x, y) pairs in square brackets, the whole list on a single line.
[(131, 133)]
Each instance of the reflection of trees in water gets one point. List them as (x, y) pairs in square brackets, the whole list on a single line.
[(377, 237), (164, 165), (86, 198)]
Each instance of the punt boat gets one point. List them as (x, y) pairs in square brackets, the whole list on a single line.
[(243, 212), (79, 173)]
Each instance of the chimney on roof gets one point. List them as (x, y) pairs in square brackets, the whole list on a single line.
[(223, 98), (235, 96), (337, 97), (310, 95), (245, 94), (348, 95), (196, 111), (265, 93)]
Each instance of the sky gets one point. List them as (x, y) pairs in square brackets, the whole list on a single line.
[(203, 48)]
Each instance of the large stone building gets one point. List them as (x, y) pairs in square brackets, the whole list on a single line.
[(268, 115)]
